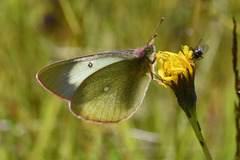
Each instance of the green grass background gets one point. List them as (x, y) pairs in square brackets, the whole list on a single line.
[(35, 124)]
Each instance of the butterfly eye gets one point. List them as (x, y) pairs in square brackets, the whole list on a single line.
[(148, 50)]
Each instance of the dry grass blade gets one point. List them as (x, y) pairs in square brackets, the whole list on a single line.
[(237, 88)]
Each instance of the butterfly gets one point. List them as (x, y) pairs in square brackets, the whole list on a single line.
[(201, 49), (106, 87)]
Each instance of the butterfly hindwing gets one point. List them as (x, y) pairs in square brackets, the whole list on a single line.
[(113, 93)]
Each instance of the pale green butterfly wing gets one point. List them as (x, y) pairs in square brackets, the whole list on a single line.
[(113, 93), (62, 78)]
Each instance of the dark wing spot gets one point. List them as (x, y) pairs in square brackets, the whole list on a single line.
[(90, 64)]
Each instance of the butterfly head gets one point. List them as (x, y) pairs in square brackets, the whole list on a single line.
[(144, 52), (148, 50)]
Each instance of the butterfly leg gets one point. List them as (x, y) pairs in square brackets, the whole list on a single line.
[(153, 61), (157, 79), (154, 77)]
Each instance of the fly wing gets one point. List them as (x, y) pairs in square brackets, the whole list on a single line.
[(202, 45)]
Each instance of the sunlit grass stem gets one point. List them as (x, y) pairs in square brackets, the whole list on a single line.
[(197, 130)]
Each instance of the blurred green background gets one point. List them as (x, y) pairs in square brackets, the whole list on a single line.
[(35, 124)]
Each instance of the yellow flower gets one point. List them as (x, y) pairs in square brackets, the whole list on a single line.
[(171, 65), (177, 71)]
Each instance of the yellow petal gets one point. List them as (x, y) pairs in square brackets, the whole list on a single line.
[(171, 65)]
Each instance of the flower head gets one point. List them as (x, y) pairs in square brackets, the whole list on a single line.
[(177, 71)]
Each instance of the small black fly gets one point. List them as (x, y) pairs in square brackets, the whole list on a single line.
[(201, 49)]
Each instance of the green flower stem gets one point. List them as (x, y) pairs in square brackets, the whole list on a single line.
[(197, 130)]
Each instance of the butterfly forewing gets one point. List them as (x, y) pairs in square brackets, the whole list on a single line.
[(62, 78), (113, 93)]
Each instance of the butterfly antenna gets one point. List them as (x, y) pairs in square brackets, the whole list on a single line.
[(153, 35)]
